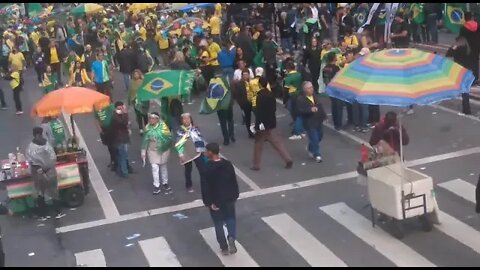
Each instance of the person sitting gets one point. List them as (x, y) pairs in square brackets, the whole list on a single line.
[(388, 130)]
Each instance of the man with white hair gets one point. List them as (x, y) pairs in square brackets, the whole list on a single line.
[(313, 114)]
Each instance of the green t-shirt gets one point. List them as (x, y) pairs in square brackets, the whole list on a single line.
[(293, 82), (58, 131), (104, 116)]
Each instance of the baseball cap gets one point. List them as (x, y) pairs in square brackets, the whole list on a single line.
[(259, 71)]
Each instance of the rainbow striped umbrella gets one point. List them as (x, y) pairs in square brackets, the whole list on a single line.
[(400, 77)]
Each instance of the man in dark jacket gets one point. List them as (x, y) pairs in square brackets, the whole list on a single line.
[(3, 211), (240, 94), (125, 62), (313, 114), (121, 137), (219, 193), (265, 124), (270, 57), (470, 31), (433, 13)]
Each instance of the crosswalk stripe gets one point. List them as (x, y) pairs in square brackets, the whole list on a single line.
[(393, 249), (460, 188), (91, 258), (459, 231), (314, 252), (240, 259), (158, 253)]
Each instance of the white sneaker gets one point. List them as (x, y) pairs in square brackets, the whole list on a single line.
[(19, 113), (318, 159), (60, 215), (303, 135), (295, 137), (410, 111), (141, 131)]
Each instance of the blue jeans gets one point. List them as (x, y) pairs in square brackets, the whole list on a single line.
[(297, 120), (126, 80), (432, 27), (225, 215), (360, 115), (287, 44), (315, 136), (228, 73), (122, 160)]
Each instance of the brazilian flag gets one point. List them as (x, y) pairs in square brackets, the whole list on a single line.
[(218, 96), (418, 14), (165, 83), (454, 17), (361, 15), (104, 116)]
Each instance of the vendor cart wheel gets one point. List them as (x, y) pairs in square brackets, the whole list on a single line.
[(74, 196), (398, 231), (426, 222)]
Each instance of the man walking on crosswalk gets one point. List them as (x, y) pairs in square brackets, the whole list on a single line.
[(219, 193)]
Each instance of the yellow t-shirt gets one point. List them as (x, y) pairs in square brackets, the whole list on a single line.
[(255, 88), (215, 23), (218, 9), (162, 42), (311, 99), (204, 55), (16, 60), (351, 40), (143, 33), (214, 49), (248, 89), (54, 56), (35, 37), (10, 44)]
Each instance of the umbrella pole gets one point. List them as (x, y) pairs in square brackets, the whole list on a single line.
[(73, 126)]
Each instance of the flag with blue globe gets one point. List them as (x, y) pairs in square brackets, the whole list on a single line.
[(218, 96), (453, 17)]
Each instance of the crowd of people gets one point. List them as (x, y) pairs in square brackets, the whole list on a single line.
[(238, 43)]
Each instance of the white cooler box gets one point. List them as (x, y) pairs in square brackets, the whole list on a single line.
[(385, 192)]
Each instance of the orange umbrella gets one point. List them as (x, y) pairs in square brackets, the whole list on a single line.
[(72, 100)]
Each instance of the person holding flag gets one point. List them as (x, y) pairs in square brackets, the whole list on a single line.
[(156, 143)]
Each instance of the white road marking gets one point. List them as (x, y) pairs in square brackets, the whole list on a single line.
[(393, 249), (460, 231), (312, 250), (460, 188), (158, 253), (91, 258), (471, 117), (244, 177), (254, 193), (239, 259), (106, 202)]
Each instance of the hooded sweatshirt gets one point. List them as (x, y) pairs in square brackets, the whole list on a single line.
[(220, 185)]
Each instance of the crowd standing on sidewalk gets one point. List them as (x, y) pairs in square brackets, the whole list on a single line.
[(261, 52)]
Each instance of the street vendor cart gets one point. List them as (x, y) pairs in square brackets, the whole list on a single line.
[(72, 175), (399, 193)]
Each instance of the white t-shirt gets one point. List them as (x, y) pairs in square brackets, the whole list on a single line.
[(237, 74), (314, 12)]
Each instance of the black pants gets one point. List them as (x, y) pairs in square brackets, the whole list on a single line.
[(315, 73), (2, 254), (224, 215), (271, 73), (373, 114), (207, 72), (142, 119), (247, 112), (42, 206), (466, 103), (2, 99), (57, 69), (199, 163), (16, 98), (39, 72), (225, 117)]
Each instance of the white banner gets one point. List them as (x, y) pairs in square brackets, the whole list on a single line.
[(370, 16), (391, 10)]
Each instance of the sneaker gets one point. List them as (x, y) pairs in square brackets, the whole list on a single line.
[(225, 251), (232, 139), (295, 137), (370, 125), (289, 165), (318, 159), (410, 111), (42, 219), (356, 129), (141, 132), (232, 249), (4, 108), (190, 190), (156, 190), (60, 215), (303, 135), (19, 113), (167, 189), (364, 130)]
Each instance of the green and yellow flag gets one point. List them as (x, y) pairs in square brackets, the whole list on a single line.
[(165, 83), (218, 96), (418, 15), (454, 17), (34, 9), (105, 115)]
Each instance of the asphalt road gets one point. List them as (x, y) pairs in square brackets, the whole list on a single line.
[(312, 214)]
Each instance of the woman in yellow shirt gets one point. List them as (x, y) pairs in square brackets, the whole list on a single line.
[(79, 76), (16, 85), (350, 40), (215, 26)]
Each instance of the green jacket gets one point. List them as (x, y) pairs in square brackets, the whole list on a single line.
[(161, 134)]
